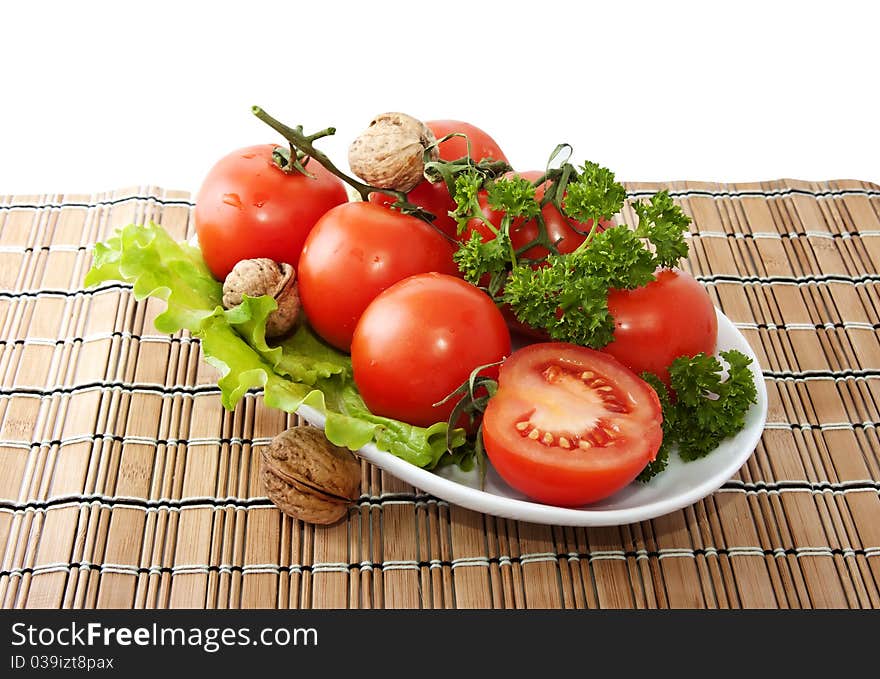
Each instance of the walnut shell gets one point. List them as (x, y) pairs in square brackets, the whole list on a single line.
[(309, 478), (389, 154), (257, 277)]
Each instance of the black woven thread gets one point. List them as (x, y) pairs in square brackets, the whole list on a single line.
[(171, 339), (371, 501), (709, 278), (194, 390), (246, 440), (500, 561), (675, 193)]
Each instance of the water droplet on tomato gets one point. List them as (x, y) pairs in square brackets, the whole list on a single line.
[(260, 201), (232, 199)]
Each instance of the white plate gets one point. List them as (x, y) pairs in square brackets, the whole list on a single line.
[(680, 485)]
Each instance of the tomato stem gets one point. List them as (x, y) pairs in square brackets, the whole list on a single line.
[(304, 147)]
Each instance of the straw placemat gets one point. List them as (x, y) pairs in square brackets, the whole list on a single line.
[(125, 484)]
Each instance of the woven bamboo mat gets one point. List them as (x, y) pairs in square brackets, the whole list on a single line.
[(125, 484)]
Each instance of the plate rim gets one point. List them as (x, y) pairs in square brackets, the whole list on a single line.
[(525, 510)]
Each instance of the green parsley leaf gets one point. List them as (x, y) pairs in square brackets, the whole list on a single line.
[(569, 296), (570, 306), (533, 294), (714, 408), (585, 318), (513, 195), (594, 194), (707, 408), (663, 223), (475, 259), (617, 257), (466, 196), (659, 463)]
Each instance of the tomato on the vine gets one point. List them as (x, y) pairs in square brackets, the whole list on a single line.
[(482, 146), (356, 251), (248, 207), (653, 325), (567, 233), (434, 197), (570, 425), (419, 341)]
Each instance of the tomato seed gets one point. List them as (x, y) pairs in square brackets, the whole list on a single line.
[(547, 439), (585, 444), (534, 434), (587, 375), (614, 407), (564, 442), (552, 373), (522, 426), (600, 436)]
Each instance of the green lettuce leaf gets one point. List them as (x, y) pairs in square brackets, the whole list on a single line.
[(299, 370), (349, 423), (301, 356), (158, 266)]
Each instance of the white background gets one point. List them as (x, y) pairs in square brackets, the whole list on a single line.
[(99, 95)]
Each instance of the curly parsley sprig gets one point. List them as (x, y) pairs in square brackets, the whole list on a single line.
[(659, 463), (702, 407), (617, 258), (569, 296), (593, 195), (663, 224), (476, 259), (564, 294)]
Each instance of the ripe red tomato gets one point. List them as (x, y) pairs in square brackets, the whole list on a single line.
[(419, 341), (248, 207), (559, 227), (570, 425), (653, 325), (435, 198), (353, 253), (482, 145)]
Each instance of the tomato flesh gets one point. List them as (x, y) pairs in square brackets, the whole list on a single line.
[(419, 341), (248, 207), (569, 425)]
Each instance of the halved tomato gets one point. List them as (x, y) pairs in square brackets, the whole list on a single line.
[(570, 425)]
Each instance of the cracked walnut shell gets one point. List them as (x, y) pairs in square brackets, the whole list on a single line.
[(390, 153), (309, 478), (261, 276)]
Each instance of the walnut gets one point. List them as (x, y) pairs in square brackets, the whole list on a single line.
[(389, 154), (257, 277), (309, 478)]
